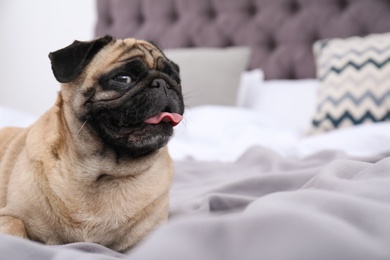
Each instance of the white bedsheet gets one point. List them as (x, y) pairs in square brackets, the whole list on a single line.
[(13, 117), (216, 133)]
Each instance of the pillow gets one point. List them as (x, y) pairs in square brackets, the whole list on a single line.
[(290, 102), (354, 86), (210, 76), (250, 82)]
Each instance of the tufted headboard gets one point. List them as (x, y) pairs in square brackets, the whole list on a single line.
[(279, 32)]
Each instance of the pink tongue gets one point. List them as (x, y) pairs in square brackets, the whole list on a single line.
[(173, 118)]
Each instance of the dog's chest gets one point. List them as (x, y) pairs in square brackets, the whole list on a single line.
[(121, 225), (98, 221), (114, 212)]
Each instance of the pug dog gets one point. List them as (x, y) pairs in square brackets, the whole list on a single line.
[(95, 167)]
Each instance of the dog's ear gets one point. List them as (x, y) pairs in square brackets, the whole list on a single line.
[(67, 63)]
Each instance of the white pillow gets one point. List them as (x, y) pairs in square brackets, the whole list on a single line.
[(249, 83), (291, 102), (210, 76)]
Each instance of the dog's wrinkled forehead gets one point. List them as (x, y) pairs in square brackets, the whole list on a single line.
[(151, 52), (125, 49)]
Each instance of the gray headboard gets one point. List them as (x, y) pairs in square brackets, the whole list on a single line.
[(280, 32)]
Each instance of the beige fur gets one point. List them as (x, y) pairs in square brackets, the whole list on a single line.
[(58, 183)]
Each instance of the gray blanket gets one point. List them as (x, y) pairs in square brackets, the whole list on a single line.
[(263, 206)]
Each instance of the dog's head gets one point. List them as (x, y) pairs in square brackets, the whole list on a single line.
[(126, 91)]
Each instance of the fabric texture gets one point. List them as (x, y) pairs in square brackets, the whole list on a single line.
[(210, 76), (354, 81), (279, 32), (262, 206)]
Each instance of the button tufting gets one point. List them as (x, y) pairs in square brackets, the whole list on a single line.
[(271, 43), (174, 17), (228, 42), (343, 4), (294, 6), (314, 37), (212, 14), (140, 19), (252, 10), (276, 27)]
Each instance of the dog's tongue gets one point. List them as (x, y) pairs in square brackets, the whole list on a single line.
[(172, 118)]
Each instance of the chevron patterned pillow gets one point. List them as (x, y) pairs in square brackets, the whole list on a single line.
[(354, 76)]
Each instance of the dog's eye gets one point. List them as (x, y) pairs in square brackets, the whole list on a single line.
[(122, 79)]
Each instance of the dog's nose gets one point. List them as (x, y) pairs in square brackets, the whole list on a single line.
[(158, 83)]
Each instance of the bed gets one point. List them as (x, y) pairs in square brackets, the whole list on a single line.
[(284, 150)]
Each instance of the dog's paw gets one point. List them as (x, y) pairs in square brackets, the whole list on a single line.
[(12, 226)]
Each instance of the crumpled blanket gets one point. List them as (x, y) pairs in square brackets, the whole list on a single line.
[(263, 206)]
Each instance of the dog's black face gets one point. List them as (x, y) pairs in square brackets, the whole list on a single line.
[(148, 104), (131, 93)]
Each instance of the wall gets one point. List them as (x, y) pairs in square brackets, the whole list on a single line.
[(29, 31)]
